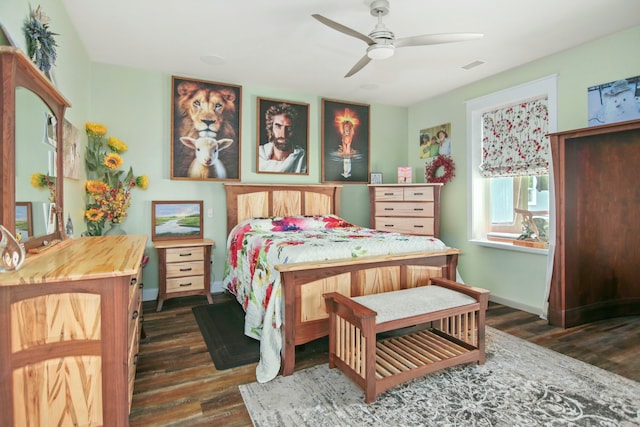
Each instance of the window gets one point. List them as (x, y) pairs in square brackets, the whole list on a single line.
[(509, 178)]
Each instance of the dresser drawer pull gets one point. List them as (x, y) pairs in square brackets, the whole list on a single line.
[(135, 359), (388, 209), (134, 280), (389, 225), (388, 194), (186, 269), (418, 209), (418, 194), (418, 226), (141, 285), (186, 254), (135, 315), (182, 285)]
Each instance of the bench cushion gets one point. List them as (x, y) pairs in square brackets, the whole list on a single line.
[(412, 302)]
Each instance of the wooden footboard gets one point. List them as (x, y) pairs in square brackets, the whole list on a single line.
[(303, 284)]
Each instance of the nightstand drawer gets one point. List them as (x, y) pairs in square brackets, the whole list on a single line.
[(416, 209), (185, 284), (419, 193), (181, 269), (194, 253), (389, 194), (423, 226)]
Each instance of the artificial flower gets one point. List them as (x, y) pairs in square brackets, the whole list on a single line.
[(109, 187), (113, 161)]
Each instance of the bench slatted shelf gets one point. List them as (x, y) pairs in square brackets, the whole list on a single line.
[(452, 320)]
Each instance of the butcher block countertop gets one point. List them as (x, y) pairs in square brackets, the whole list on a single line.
[(78, 259)]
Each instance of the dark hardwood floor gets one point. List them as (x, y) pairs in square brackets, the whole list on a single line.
[(177, 384)]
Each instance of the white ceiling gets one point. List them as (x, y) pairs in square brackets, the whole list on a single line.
[(277, 44)]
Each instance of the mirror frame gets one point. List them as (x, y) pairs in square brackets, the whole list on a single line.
[(17, 70)]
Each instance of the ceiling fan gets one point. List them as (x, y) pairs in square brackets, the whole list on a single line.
[(382, 42)]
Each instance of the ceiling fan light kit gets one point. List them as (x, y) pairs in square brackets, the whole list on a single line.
[(380, 51), (382, 42)]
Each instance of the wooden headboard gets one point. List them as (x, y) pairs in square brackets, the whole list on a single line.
[(263, 200)]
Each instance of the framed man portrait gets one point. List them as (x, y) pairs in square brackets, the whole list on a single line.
[(205, 130), (282, 137), (345, 142)]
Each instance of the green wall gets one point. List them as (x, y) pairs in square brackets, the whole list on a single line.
[(135, 105), (516, 278)]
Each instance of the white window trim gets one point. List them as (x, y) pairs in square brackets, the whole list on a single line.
[(478, 212)]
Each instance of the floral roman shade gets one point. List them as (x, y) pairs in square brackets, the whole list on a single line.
[(515, 141)]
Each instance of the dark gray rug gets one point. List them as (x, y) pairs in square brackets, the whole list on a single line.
[(521, 384)]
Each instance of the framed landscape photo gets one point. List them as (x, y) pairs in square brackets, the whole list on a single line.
[(176, 220), (282, 137), (205, 120), (345, 142), (24, 221)]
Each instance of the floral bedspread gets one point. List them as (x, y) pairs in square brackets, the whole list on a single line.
[(255, 246)]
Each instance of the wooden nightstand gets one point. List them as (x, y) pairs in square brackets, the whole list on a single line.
[(183, 268)]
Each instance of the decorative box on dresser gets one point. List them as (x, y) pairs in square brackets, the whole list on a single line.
[(597, 193), (406, 208), (184, 268), (69, 333)]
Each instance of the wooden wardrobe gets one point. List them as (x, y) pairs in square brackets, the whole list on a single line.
[(597, 256)]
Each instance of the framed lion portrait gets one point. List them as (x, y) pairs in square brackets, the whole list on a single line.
[(205, 130)]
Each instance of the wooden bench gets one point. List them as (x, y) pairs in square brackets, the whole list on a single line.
[(453, 316)]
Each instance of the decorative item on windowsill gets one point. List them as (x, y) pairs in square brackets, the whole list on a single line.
[(108, 192), (432, 171), (40, 180), (535, 230), (41, 45)]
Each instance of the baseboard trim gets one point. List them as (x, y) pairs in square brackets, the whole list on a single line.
[(518, 305)]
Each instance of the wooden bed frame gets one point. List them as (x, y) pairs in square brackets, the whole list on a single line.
[(303, 284)]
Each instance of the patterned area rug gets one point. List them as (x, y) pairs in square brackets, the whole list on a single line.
[(521, 384)]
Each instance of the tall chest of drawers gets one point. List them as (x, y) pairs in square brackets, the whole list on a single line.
[(406, 208)]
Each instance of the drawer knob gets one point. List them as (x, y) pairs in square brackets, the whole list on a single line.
[(134, 280), (135, 315), (135, 359), (185, 284), (186, 269), (140, 285), (186, 254)]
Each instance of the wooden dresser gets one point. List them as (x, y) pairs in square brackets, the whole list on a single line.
[(184, 268), (597, 190), (406, 208), (69, 332)]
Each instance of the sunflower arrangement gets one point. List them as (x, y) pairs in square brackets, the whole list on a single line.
[(108, 188), (40, 180)]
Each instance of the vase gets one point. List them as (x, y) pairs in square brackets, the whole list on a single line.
[(115, 230)]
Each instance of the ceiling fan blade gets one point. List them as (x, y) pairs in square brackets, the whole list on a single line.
[(345, 30), (429, 39), (359, 66)]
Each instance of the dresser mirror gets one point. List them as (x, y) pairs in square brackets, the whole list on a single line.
[(32, 142)]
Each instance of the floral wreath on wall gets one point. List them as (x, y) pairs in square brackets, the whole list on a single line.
[(444, 162)]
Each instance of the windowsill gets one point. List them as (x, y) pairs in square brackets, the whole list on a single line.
[(508, 246)]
